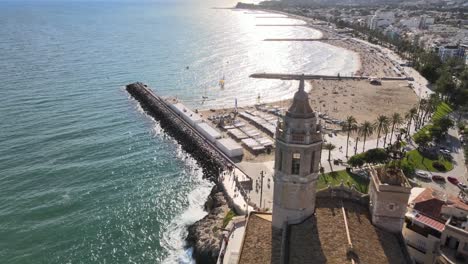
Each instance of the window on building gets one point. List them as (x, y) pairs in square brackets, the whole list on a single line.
[(312, 159), (296, 163)]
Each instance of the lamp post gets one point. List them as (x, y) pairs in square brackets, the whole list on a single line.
[(262, 174)]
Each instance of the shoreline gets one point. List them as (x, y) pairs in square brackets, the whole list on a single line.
[(203, 250)]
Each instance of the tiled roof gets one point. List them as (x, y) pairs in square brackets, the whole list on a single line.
[(430, 202), (430, 222), (261, 243), (322, 238), (431, 207)]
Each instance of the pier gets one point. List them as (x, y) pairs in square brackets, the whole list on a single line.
[(300, 39), (281, 25), (211, 158), (287, 76)]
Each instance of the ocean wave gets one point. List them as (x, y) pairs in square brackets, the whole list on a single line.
[(173, 238)]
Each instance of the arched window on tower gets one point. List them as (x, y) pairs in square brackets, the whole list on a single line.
[(296, 163)]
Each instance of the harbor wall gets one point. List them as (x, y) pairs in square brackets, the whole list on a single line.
[(209, 159), (205, 235)]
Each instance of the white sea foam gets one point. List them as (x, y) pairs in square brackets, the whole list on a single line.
[(173, 238)]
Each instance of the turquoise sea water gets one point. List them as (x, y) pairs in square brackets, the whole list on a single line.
[(85, 175)]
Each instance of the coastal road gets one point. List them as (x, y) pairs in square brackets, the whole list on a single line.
[(459, 170)]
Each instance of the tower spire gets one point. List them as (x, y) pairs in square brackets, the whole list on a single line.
[(300, 106), (301, 83)]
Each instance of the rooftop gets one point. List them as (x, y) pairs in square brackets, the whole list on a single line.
[(391, 176), (430, 202), (322, 238), (259, 239)]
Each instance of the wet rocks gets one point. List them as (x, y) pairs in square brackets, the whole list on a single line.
[(205, 235)]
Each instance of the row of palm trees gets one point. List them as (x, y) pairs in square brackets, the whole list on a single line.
[(384, 125)]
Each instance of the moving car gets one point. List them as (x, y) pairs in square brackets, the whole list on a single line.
[(438, 178), (453, 180)]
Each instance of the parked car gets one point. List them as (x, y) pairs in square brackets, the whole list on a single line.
[(453, 180), (445, 151), (422, 174), (462, 186), (438, 178)]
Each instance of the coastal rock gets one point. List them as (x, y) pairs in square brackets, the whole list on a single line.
[(205, 235)]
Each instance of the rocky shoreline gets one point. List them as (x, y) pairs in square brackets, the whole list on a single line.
[(205, 235)]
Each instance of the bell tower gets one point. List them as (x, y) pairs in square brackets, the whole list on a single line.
[(297, 158)]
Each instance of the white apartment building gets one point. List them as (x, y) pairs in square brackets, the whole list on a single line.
[(381, 20)]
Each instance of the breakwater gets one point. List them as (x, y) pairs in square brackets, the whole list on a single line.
[(300, 39), (204, 236), (286, 76), (211, 161)]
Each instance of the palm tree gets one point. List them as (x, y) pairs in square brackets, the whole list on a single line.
[(366, 129), (385, 130), (432, 104), (381, 125), (349, 125), (409, 117), (396, 121), (422, 108), (329, 147)]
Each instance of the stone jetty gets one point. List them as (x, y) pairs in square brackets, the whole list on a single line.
[(287, 76), (205, 235), (211, 161)]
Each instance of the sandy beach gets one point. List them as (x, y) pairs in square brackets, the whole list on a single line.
[(373, 62), (339, 99), (358, 98)]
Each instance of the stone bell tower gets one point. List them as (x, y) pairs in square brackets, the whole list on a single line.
[(298, 151)]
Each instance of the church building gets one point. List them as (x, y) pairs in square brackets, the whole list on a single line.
[(334, 225)]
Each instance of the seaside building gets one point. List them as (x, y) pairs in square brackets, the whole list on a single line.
[(333, 225), (436, 227), (451, 51), (381, 20)]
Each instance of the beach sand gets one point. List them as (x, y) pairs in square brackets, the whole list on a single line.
[(373, 62)]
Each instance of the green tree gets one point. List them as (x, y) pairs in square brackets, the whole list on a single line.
[(428, 64), (422, 139), (409, 118), (365, 130), (350, 125), (375, 156), (381, 124), (445, 123), (396, 121), (445, 85), (329, 147), (421, 109), (356, 160), (436, 133)]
